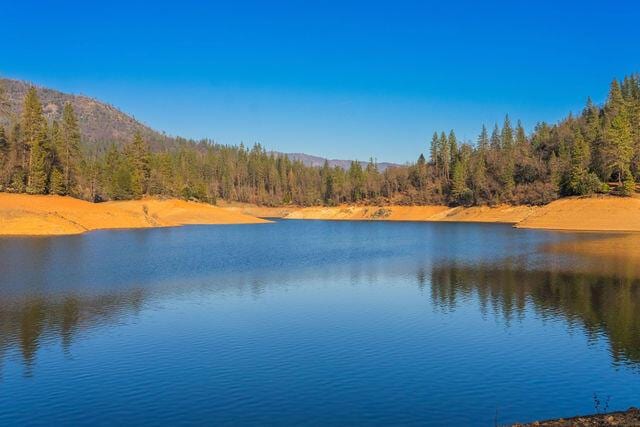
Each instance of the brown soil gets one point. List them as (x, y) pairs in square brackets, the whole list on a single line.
[(22, 214), (628, 418)]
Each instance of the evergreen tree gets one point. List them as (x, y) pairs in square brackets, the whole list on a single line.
[(138, 156), (506, 137), (495, 142), (328, 191), (32, 118), (356, 176), (521, 136), (4, 159), (508, 166), (483, 140), (434, 151), (453, 145), (460, 193), (34, 136), (38, 174), (57, 185), (580, 181), (68, 146), (445, 156), (617, 144)]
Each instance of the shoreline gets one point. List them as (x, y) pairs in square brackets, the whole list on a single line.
[(607, 214), (29, 215), (618, 418)]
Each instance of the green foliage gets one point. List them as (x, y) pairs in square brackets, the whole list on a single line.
[(68, 148), (506, 137), (577, 156), (38, 178), (483, 140), (617, 148), (139, 160), (460, 193), (18, 181), (628, 185), (57, 185)]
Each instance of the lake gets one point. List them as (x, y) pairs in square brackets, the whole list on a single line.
[(314, 323)]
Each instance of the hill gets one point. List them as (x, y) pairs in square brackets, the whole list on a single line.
[(102, 123), (99, 122)]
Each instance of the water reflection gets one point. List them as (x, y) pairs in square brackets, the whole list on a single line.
[(332, 321), (28, 322), (601, 305)]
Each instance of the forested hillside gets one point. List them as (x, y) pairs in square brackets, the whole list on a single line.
[(101, 124), (44, 150)]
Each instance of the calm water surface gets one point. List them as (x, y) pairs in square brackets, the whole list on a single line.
[(313, 322)]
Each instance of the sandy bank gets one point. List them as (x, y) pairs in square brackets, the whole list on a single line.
[(603, 213), (257, 211), (587, 214), (22, 214), (501, 214)]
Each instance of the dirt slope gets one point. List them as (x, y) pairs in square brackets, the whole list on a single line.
[(587, 214), (22, 214)]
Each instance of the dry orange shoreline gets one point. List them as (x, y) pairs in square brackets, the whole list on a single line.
[(600, 213), (22, 214), (25, 215)]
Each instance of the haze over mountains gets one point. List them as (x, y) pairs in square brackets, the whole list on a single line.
[(102, 123)]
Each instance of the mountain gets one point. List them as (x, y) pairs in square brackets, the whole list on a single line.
[(310, 160), (101, 123)]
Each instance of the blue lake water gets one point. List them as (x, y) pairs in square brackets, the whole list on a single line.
[(313, 323)]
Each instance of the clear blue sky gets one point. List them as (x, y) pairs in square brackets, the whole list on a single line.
[(334, 78)]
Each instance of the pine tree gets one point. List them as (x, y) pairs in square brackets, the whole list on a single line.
[(433, 150), (38, 177), (445, 156), (356, 176), (32, 121), (453, 145), (459, 190), (580, 181), (617, 144), (4, 159), (33, 132), (68, 147), (57, 185), (506, 137), (521, 136), (31, 124), (328, 190), (117, 175), (138, 155), (483, 140), (495, 142), (479, 178)]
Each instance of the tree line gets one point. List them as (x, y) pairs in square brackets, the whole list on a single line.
[(597, 151)]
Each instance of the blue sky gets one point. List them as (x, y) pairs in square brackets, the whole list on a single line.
[(341, 79)]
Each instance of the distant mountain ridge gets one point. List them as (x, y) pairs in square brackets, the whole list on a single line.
[(311, 160), (101, 123)]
